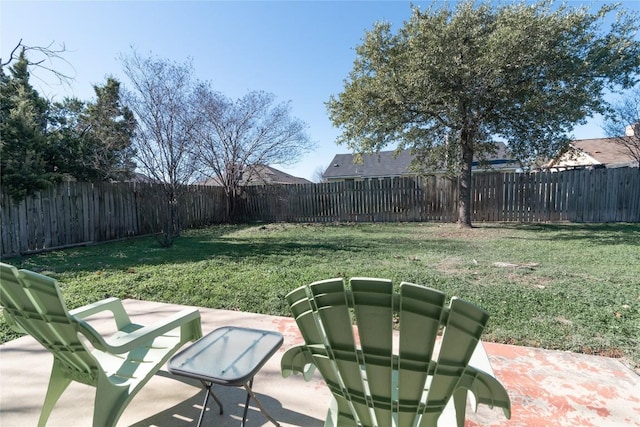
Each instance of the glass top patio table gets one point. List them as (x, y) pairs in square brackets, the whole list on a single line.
[(229, 356)]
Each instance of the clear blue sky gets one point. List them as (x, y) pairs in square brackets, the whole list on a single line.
[(301, 51)]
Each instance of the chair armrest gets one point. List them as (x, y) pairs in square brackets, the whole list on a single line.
[(487, 389), (12, 323), (298, 360), (188, 320), (114, 305)]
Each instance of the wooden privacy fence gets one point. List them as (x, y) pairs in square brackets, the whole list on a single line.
[(600, 195), (75, 213), (81, 213)]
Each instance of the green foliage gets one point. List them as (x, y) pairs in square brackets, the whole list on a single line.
[(93, 140), (572, 287), (42, 143), (450, 80), (110, 127), (25, 164)]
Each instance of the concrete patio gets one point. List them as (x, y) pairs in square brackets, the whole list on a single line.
[(547, 388)]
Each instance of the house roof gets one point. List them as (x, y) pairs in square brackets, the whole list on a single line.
[(604, 150), (392, 164), (588, 152), (382, 164), (262, 175), (140, 177)]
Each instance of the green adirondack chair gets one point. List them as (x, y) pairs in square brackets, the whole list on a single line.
[(349, 338), (118, 366)]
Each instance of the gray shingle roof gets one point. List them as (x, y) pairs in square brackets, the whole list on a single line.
[(262, 175), (382, 164), (388, 164)]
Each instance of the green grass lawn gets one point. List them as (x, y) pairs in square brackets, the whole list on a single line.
[(577, 288)]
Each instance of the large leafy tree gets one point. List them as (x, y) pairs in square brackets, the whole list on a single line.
[(234, 136), (451, 80), (25, 155)]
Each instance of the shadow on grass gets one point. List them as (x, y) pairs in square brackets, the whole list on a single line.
[(605, 234), (229, 243)]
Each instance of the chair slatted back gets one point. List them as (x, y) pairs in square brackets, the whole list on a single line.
[(34, 303), (373, 384)]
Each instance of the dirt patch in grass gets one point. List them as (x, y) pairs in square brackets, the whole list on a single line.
[(450, 231), (612, 352), (453, 265), (531, 280)]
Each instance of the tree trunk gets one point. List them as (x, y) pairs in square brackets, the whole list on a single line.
[(171, 227), (232, 204), (464, 187)]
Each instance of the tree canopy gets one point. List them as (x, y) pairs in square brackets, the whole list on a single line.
[(187, 131), (24, 151), (93, 140), (43, 142), (160, 94), (453, 80)]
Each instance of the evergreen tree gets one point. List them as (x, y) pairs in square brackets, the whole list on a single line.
[(24, 152), (109, 128), (65, 132), (93, 140)]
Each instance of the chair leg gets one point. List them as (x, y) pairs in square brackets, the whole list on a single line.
[(111, 401), (58, 383), (332, 414), (460, 403)]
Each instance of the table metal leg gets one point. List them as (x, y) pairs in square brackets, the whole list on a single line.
[(246, 403), (251, 394), (208, 391)]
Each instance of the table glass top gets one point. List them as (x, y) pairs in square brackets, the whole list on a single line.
[(228, 355)]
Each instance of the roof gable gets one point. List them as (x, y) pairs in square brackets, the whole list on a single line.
[(261, 175), (265, 175), (604, 150), (595, 151)]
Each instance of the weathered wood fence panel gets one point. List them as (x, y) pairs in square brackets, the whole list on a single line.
[(81, 213)]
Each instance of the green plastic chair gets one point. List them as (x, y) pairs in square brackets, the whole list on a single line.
[(349, 338), (118, 366)]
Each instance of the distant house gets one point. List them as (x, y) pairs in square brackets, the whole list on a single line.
[(386, 164), (141, 178), (593, 153), (261, 175)]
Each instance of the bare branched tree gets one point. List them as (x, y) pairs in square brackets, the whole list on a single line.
[(318, 174), (41, 57), (235, 136), (623, 124), (160, 97)]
